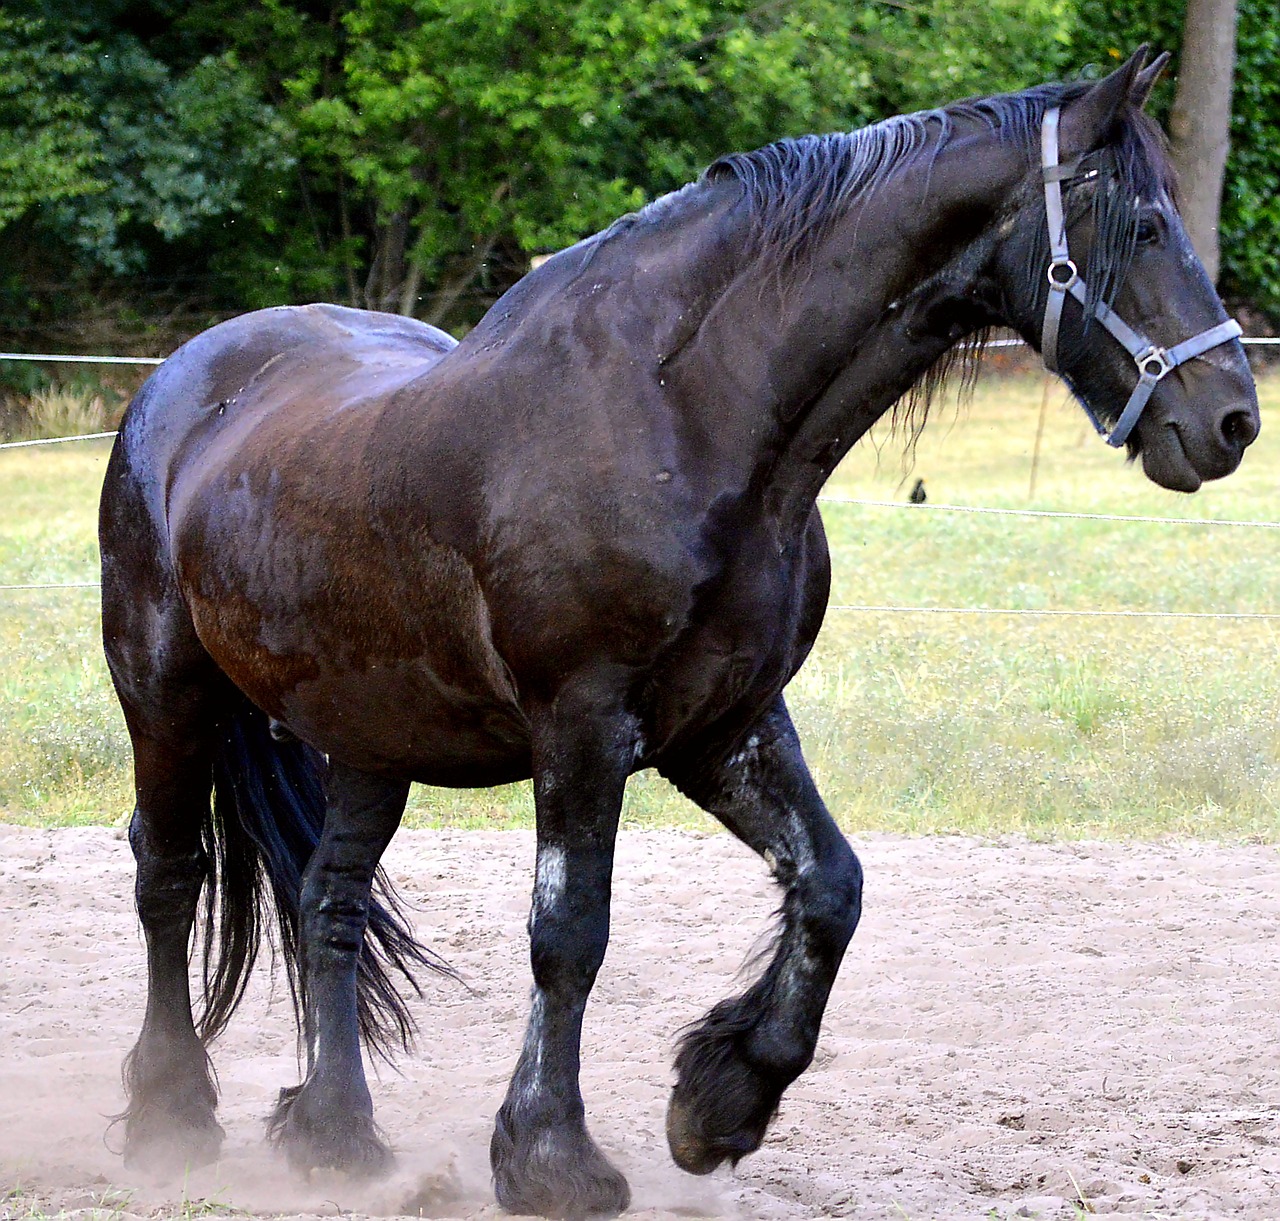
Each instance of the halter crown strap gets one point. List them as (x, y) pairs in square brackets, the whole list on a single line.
[(1153, 362), (1062, 272)]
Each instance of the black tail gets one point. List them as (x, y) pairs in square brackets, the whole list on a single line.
[(266, 818)]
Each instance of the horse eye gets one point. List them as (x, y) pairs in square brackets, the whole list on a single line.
[(1148, 231)]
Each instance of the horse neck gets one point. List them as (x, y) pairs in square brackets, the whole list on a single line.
[(797, 361)]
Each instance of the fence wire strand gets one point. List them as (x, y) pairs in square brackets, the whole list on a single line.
[(861, 608), (836, 498), (84, 436), (1081, 614), (53, 585), (64, 359), (1260, 341)]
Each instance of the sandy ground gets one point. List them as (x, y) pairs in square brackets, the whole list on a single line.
[(1017, 1027)]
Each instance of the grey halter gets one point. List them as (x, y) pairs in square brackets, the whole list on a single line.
[(1152, 360)]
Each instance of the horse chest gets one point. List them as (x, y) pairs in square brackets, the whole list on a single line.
[(739, 651)]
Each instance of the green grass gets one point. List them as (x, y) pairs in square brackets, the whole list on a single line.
[(923, 723)]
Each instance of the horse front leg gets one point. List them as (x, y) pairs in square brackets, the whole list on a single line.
[(543, 1159), (733, 1067), (327, 1121)]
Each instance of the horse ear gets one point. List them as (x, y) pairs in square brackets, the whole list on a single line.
[(1145, 81), (1089, 121)]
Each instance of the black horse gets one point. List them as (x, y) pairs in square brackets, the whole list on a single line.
[(342, 553)]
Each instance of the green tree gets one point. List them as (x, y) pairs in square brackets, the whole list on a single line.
[(119, 169), (1250, 225), (176, 154), (412, 154), (47, 150), (458, 138)]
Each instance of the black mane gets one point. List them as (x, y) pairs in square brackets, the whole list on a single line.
[(797, 188)]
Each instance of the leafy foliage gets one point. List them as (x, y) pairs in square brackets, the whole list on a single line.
[(413, 154), (47, 151), (1251, 207), (175, 154)]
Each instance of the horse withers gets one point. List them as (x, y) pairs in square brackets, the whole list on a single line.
[(343, 553)]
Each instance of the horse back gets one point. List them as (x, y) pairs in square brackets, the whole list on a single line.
[(310, 359)]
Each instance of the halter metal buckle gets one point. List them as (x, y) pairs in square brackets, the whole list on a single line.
[(1073, 275), (1154, 363)]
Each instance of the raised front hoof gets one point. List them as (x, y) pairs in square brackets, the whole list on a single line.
[(160, 1144), (697, 1151), (344, 1141), (721, 1106), (550, 1173)]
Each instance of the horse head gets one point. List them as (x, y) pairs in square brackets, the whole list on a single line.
[(1099, 275)]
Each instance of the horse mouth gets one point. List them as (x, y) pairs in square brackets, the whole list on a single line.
[(1167, 463)]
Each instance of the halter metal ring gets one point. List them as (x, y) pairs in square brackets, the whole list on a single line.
[(1154, 363), (1072, 278)]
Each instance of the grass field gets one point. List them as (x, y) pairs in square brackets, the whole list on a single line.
[(1088, 726)]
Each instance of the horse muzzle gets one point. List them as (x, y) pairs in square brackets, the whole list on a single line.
[(1184, 445)]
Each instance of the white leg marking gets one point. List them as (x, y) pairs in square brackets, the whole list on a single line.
[(548, 879)]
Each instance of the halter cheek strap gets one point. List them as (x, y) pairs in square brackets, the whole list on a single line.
[(1153, 362)]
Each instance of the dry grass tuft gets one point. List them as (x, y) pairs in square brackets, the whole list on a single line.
[(60, 411)]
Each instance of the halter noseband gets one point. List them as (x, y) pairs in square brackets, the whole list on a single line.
[(1152, 360)]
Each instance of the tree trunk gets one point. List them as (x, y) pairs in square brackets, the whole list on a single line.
[(386, 268), (447, 295), (1201, 120), (409, 291), (348, 267)]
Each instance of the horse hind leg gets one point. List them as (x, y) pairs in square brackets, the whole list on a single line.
[(733, 1066), (170, 692), (169, 1120), (327, 1121)]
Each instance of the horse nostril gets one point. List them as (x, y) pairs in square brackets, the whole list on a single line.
[(1239, 428)]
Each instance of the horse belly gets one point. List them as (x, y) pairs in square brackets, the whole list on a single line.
[(403, 718), (381, 657)]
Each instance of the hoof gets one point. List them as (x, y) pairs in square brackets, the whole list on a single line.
[(721, 1106), (163, 1144), (697, 1151), (554, 1173), (169, 1124), (346, 1141)]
